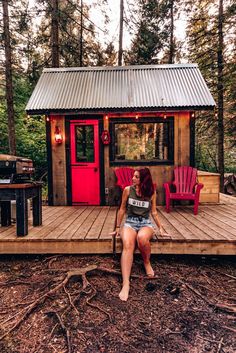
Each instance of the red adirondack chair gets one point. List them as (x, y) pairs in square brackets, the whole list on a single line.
[(186, 187), (124, 177)]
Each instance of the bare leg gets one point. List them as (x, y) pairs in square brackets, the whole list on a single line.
[(129, 239), (143, 239)]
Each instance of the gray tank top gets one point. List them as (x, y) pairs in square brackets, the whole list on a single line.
[(136, 205)]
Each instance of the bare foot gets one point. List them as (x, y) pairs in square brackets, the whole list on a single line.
[(124, 293), (149, 269)]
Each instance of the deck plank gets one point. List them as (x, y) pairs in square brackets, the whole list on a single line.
[(109, 224), (201, 223), (61, 224), (178, 223), (211, 215), (87, 224), (228, 209), (192, 225), (223, 216), (8, 232), (68, 233), (69, 221), (169, 228), (95, 230), (207, 221), (48, 225)]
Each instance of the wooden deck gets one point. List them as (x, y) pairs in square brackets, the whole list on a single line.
[(85, 230)]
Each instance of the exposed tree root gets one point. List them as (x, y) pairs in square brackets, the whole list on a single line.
[(223, 307), (220, 345), (40, 300), (221, 273), (93, 295), (63, 327), (230, 329)]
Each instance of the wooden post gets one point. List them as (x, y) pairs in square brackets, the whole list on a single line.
[(21, 212), (5, 213), (37, 207)]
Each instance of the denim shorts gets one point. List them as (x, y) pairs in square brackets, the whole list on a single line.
[(138, 222)]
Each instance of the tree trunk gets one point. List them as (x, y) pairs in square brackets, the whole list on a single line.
[(55, 33), (220, 88), (121, 33), (171, 53), (81, 34), (9, 84)]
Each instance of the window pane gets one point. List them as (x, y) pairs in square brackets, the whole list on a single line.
[(141, 141), (84, 143)]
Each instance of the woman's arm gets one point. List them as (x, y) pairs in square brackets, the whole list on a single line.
[(122, 209), (155, 214)]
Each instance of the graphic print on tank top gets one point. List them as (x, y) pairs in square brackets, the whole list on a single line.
[(136, 206)]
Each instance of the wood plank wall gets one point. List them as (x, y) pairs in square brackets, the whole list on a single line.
[(58, 162), (211, 190), (161, 173)]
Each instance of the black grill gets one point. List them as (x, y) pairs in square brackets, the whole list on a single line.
[(15, 169)]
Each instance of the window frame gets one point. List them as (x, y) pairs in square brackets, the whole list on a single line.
[(169, 121), (76, 144)]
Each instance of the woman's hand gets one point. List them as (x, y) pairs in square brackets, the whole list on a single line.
[(116, 232)]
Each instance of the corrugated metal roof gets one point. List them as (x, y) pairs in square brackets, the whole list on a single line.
[(146, 87)]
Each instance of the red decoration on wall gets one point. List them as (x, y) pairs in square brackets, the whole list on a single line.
[(106, 139)]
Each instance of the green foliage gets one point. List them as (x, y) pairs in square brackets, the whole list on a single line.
[(150, 20), (30, 131), (202, 38), (152, 33)]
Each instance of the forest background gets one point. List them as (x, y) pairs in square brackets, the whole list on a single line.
[(55, 33)]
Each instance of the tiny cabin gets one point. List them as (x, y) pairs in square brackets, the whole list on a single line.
[(102, 118)]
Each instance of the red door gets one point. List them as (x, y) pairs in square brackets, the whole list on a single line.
[(85, 168)]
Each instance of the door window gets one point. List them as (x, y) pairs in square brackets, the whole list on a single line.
[(84, 141)]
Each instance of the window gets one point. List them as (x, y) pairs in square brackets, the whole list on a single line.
[(84, 143), (142, 142)]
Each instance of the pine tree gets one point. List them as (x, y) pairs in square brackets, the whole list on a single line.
[(9, 80), (151, 34), (210, 43)]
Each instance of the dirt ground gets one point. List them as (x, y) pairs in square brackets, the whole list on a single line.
[(57, 304)]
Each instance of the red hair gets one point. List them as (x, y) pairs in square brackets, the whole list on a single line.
[(146, 183)]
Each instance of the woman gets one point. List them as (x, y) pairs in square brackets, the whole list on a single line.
[(138, 200)]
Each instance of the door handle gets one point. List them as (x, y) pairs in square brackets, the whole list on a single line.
[(95, 169)]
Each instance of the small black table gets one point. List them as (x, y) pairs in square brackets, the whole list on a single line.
[(21, 193)]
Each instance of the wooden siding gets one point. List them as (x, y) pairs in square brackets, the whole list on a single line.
[(58, 162), (160, 173), (211, 190)]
